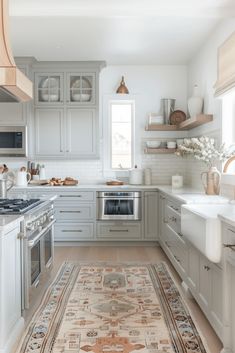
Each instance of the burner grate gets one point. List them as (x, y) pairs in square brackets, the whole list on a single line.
[(14, 206)]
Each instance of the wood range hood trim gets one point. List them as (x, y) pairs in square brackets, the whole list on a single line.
[(14, 85)]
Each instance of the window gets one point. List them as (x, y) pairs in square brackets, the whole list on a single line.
[(121, 130)]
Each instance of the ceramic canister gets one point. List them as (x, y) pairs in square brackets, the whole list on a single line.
[(195, 103), (136, 176)]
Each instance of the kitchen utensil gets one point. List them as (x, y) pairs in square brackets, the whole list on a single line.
[(136, 176), (5, 185), (22, 178), (171, 144), (168, 106), (177, 117), (153, 144)]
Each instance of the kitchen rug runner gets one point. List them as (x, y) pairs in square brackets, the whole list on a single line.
[(112, 308)]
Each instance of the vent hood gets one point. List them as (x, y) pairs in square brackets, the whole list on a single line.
[(14, 85)]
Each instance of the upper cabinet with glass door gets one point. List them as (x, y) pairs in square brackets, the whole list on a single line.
[(81, 88), (49, 88)]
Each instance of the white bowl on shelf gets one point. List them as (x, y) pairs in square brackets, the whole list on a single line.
[(153, 144), (83, 97), (49, 97)]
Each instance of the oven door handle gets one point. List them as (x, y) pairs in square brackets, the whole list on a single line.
[(31, 243)]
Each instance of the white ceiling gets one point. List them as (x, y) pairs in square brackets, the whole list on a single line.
[(120, 32)]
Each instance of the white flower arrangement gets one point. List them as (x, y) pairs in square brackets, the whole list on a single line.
[(204, 149)]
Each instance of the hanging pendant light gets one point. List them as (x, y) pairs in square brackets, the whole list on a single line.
[(122, 89)]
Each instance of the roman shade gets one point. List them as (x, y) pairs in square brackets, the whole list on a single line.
[(226, 67)]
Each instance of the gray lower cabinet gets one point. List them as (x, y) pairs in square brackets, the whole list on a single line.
[(151, 215), (119, 230), (74, 232), (203, 278), (75, 216), (66, 133)]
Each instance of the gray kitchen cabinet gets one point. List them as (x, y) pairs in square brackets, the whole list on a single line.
[(48, 88), (151, 215), (49, 132), (11, 322), (193, 269), (119, 230), (72, 87), (81, 88), (161, 218), (71, 133), (81, 129), (75, 216)]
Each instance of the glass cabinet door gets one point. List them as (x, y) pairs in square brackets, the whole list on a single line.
[(81, 88), (49, 88)]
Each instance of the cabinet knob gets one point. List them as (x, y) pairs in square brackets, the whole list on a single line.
[(165, 220)]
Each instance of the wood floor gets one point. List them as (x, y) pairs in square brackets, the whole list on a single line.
[(150, 254)]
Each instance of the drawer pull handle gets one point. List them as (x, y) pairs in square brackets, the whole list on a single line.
[(70, 195), (230, 246), (70, 211), (206, 268), (72, 231), (177, 259), (118, 230)]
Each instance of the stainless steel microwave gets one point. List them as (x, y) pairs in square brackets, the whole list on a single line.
[(13, 141)]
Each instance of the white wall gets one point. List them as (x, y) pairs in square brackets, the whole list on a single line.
[(202, 70), (147, 84)]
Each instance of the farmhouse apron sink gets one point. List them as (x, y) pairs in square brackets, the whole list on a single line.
[(201, 226)]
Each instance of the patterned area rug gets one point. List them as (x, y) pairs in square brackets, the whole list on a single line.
[(112, 309)]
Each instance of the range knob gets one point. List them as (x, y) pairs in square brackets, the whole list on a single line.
[(30, 226)]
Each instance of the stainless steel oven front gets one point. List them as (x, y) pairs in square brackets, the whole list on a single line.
[(115, 205), (38, 255)]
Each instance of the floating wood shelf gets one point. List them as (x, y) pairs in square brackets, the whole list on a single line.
[(159, 150), (188, 124)]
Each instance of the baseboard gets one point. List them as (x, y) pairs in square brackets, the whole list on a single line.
[(106, 243)]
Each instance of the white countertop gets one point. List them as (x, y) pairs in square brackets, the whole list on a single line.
[(9, 222)]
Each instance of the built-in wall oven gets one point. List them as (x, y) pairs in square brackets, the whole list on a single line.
[(115, 205)]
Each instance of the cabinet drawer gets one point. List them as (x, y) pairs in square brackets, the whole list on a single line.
[(74, 196), (174, 206), (74, 232), (84, 212), (173, 219), (119, 231)]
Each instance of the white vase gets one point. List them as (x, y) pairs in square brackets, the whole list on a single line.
[(195, 103)]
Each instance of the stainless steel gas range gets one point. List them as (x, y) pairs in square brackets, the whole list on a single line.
[(37, 241)]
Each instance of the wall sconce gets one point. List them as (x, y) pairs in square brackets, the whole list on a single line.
[(122, 89)]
